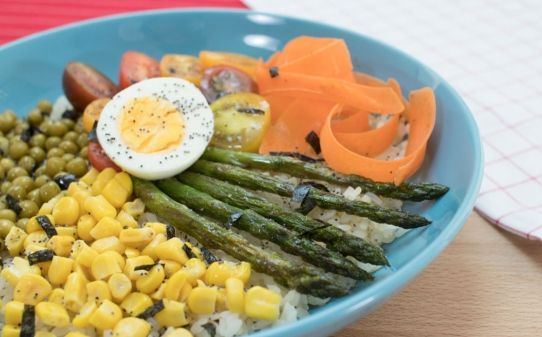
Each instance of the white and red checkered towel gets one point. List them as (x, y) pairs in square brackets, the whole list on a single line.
[(491, 52)]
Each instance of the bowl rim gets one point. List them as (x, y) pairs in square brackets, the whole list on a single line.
[(390, 285)]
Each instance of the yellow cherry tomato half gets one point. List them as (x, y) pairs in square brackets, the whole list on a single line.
[(241, 121), (182, 66), (242, 62)]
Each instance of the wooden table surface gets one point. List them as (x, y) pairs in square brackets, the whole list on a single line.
[(488, 282)]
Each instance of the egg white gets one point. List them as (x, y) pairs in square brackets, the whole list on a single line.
[(198, 120)]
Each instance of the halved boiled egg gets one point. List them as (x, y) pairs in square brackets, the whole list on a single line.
[(156, 128)]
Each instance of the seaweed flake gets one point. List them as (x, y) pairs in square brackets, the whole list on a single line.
[(30, 131), (92, 135), (274, 72), (46, 225), (65, 180), (13, 203), (170, 231), (208, 256), (314, 141), (28, 323), (232, 219), (43, 255), (70, 114), (189, 252), (301, 195), (152, 310), (306, 206), (210, 328)]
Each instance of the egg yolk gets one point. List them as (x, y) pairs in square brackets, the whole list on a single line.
[(151, 124)]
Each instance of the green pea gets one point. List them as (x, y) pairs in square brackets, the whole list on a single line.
[(37, 154), (55, 152), (4, 144), (34, 195), (79, 128), (77, 167), (70, 124), (67, 157), (40, 170), (53, 166), (17, 191), (71, 136), (82, 140), (35, 117), (41, 180), (2, 173), (21, 223), (45, 106), (27, 163), (18, 149), (7, 121), (20, 126), (38, 140), (84, 152), (56, 129), (28, 209), (48, 191), (7, 163), (68, 146), (5, 226), (8, 214), (16, 172), (4, 187), (26, 182), (52, 142)]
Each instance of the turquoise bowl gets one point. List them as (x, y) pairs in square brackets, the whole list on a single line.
[(31, 69)]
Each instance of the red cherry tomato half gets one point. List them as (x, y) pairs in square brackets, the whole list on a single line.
[(99, 159), (135, 67), (224, 80)]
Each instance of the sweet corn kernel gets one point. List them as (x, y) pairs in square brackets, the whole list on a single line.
[(131, 252), (158, 227), (202, 300), (75, 334), (98, 291), (81, 197), (52, 314), (61, 245), (261, 303), (76, 186), (81, 320), (218, 272), (133, 262), (170, 267), (195, 269), (11, 331), (126, 220), (221, 300), (172, 249), (42, 333), (125, 181), (67, 231), (103, 266), (90, 176), (13, 312), (84, 271), (108, 243), (149, 282), (195, 250), (33, 226), (47, 208), (179, 332), (134, 208), (150, 249), (174, 285), (84, 226), (159, 293), (136, 237), (235, 295), (102, 179), (85, 255), (185, 291), (99, 207), (57, 296), (31, 289), (173, 314), (131, 327), (66, 211), (59, 270), (75, 291), (106, 315), (115, 256), (136, 303), (120, 286), (35, 238), (32, 249), (106, 227), (15, 240), (19, 267), (115, 193)]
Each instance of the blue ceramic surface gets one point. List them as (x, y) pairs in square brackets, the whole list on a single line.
[(31, 69)]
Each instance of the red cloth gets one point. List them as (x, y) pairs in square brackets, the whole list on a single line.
[(22, 17)]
